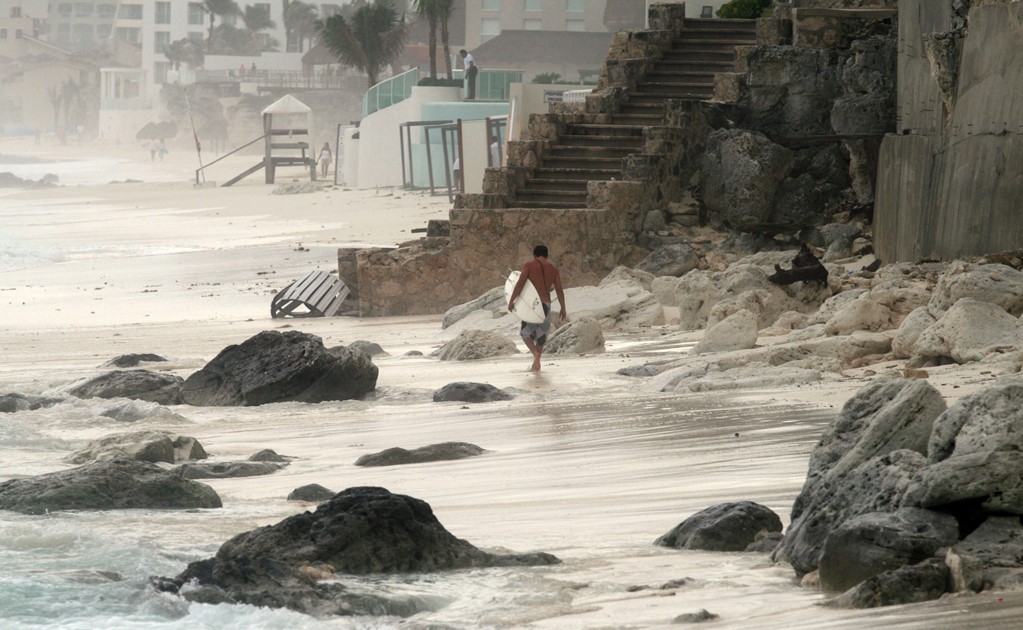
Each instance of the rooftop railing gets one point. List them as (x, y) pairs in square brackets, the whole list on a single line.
[(389, 91)]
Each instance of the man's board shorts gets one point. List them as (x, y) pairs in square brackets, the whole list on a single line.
[(537, 332)]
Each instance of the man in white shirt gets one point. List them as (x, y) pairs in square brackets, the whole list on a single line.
[(471, 71)]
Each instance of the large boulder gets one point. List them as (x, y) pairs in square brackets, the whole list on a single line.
[(742, 171), (13, 402), (358, 531), (738, 331), (106, 485), (969, 331), (910, 584), (144, 446), (919, 320), (313, 493), (278, 367), (164, 389), (397, 456), (133, 360), (580, 336), (492, 302), (973, 454), (723, 527), (862, 313), (870, 544), (705, 297), (470, 392), (997, 542), (865, 462), (674, 259), (476, 344), (228, 470), (995, 284)]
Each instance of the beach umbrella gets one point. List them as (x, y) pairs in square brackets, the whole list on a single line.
[(148, 132), (157, 131)]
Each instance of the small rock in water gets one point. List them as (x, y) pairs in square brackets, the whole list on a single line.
[(695, 617)]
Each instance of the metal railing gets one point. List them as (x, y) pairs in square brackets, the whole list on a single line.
[(389, 91), (201, 170), (493, 85)]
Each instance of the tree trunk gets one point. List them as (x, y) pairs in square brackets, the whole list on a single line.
[(447, 46), (209, 42), (433, 47)]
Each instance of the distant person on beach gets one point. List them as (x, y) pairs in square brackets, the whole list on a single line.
[(469, 63), (154, 146), (544, 275), (326, 157), (241, 70), (495, 153), (161, 149), (252, 68), (456, 170)]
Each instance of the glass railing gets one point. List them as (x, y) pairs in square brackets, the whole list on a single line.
[(389, 91), (492, 85)]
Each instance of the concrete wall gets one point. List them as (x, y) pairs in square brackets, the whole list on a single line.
[(953, 190)]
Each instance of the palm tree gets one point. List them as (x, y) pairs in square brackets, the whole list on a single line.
[(215, 8), (55, 99), (373, 39), (184, 51), (444, 10), (300, 20), (256, 18), (428, 10)]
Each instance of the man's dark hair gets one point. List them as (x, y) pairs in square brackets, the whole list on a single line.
[(462, 52), (540, 250)]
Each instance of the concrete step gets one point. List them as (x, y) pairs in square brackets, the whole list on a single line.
[(670, 75), (593, 140), (675, 90), (653, 108), (578, 174), (568, 185), (711, 24), (600, 163), (552, 205), (618, 131), (639, 120), (709, 45), (683, 66), (561, 150), (723, 55), (542, 196)]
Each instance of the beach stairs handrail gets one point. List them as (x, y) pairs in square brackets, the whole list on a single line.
[(199, 170), (318, 291)]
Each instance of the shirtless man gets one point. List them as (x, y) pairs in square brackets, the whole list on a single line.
[(544, 275)]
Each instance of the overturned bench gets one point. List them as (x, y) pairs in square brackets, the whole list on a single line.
[(318, 291)]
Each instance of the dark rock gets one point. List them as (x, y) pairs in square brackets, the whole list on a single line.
[(470, 345), (314, 493), (277, 367), (870, 544), (469, 392), (791, 90), (670, 260), (163, 389), (445, 451), (144, 446), (11, 403), (132, 360), (369, 348), (358, 531), (106, 485), (227, 470), (805, 268), (998, 542), (765, 542), (723, 527), (906, 585), (741, 174), (695, 617), (268, 455)]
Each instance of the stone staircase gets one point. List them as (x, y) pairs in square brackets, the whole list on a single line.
[(587, 152)]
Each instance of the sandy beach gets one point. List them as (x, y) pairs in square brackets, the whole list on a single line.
[(583, 463)]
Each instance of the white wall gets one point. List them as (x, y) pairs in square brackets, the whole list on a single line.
[(530, 98), (379, 145)]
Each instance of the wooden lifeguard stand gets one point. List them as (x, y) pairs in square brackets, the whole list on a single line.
[(286, 129)]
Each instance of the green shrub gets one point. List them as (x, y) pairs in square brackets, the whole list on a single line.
[(547, 78), (440, 82), (744, 9)]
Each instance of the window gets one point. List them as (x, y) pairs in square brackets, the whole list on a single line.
[(575, 25), (17, 33), (491, 5), (3, 33), (130, 35), (532, 25), (160, 69), (103, 31), (533, 5), (131, 12), (15, 11), (64, 10), (106, 10), (575, 6), (195, 13), (161, 39), (163, 12), (64, 29), (83, 9), (489, 29)]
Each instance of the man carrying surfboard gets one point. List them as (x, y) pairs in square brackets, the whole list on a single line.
[(543, 275)]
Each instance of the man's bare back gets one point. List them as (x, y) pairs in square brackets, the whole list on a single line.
[(544, 275)]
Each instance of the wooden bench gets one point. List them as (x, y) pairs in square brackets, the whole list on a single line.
[(320, 292)]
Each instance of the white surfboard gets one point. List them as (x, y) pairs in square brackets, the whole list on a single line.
[(528, 306)]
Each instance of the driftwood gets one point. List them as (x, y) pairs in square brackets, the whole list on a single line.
[(805, 268)]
